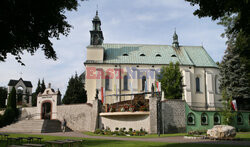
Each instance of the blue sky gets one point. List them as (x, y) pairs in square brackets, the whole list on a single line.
[(130, 21)]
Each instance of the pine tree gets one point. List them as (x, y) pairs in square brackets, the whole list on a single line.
[(43, 87), (171, 81), (75, 92), (234, 76), (34, 95), (3, 96), (38, 89), (227, 113), (12, 99)]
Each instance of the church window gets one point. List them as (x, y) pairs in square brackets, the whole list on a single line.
[(217, 120), (125, 54), (239, 119), (107, 82), (157, 55), (191, 119), (143, 82), (125, 82), (142, 55), (216, 84), (197, 81), (204, 119)]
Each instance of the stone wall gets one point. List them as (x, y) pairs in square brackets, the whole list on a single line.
[(78, 116), (130, 121), (173, 116), (29, 113)]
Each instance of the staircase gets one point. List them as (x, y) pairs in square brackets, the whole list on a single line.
[(33, 126)]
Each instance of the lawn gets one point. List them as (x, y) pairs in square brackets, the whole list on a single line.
[(117, 143)]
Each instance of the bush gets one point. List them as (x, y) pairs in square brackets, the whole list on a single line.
[(98, 131), (8, 117)]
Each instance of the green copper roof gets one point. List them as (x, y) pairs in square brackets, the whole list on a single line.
[(155, 54)]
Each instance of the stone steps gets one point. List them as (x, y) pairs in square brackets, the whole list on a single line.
[(33, 126)]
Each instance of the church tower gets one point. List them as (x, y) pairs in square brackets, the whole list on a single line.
[(95, 51), (96, 36), (175, 40)]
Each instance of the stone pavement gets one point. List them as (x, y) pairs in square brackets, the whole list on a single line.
[(177, 139)]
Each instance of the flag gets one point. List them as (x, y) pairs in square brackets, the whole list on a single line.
[(145, 86), (131, 89), (102, 94), (234, 105), (159, 86)]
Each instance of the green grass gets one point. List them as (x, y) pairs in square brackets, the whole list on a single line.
[(243, 135), (115, 143), (146, 136)]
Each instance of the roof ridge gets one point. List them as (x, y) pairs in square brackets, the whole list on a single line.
[(150, 44)]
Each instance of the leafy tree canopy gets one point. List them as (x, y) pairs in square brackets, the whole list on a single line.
[(171, 81), (217, 9), (27, 25)]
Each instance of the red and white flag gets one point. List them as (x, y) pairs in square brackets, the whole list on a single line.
[(234, 105)]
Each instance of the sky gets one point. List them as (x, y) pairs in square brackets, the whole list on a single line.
[(130, 21)]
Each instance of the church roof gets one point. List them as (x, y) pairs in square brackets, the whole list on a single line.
[(155, 54), (14, 82)]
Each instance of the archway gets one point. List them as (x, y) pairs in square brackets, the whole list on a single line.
[(46, 110), (20, 90)]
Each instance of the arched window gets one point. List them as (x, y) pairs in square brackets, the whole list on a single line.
[(173, 55), (191, 119), (240, 119), (143, 82), (125, 82), (142, 55), (197, 81), (217, 120), (216, 85), (204, 119), (125, 54), (107, 83)]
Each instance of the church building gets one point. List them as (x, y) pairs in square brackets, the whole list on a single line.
[(117, 69)]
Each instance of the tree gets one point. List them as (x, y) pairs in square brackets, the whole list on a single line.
[(171, 81), (234, 78), (3, 96), (12, 99), (43, 87), (28, 25), (217, 9), (227, 113), (75, 92), (40, 88)]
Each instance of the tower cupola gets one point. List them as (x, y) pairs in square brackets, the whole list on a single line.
[(96, 36), (175, 40)]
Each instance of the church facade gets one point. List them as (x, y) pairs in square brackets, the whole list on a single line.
[(118, 69), (23, 90)]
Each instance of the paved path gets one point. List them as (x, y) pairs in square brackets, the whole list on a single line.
[(177, 139)]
